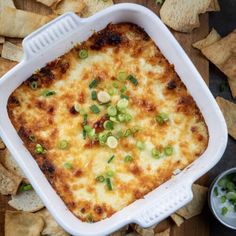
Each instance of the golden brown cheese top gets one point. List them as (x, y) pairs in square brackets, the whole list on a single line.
[(108, 121)]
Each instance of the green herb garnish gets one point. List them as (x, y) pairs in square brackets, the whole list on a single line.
[(25, 187), (133, 80), (95, 109), (111, 159), (94, 83), (109, 184), (94, 95), (83, 53), (48, 93)]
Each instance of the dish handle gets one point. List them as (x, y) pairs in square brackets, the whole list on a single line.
[(48, 35), (159, 209)]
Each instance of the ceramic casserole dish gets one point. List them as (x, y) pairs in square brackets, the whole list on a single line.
[(55, 39)]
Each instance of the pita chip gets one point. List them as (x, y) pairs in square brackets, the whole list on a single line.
[(9, 182), (222, 53), (48, 3), (177, 219), (12, 52), (5, 66), (183, 15), (94, 6), (18, 23), (26, 201), (121, 232), (144, 231), (23, 224), (2, 39), (69, 5), (211, 38), (229, 111), (51, 228), (2, 145), (164, 233), (6, 3), (196, 205), (214, 6)]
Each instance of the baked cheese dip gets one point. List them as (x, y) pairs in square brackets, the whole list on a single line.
[(108, 122)]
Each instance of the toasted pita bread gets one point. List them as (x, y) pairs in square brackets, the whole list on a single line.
[(94, 6), (26, 201), (229, 111), (51, 228), (12, 52), (144, 232), (48, 3), (6, 3), (214, 6), (17, 23), (10, 164), (179, 220), (196, 205), (2, 39), (211, 38), (9, 182), (163, 225), (164, 233), (223, 54), (183, 15), (23, 224), (5, 66), (121, 232), (69, 5), (2, 145)]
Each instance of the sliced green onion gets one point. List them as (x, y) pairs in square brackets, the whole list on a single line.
[(122, 104), (68, 165), (119, 134), (63, 144), (140, 145), (223, 199), (113, 119), (162, 118), (83, 53), (90, 218), (94, 83), (156, 153), (111, 159), (124, 96), (112, 91), (47, 93), (133, 80), (135, 129), (123, 89), (128, 158), (112, 142), (230, 186), (112, 111), (216, 193), (128, 117), (25, 187), (84, 134), (102, 138), (95, 109), (115, 85), (108, 125), (224, 211), (32, 138), (168, 150), (109, 173), (100, 178), (39, 149), (82, 112), (94, 95), (85, 119), (231, 195), (121, 117), (89, 131), (34, 85), (103, 97), (121, 76), (109, 184), (77, 107), (127, 133)]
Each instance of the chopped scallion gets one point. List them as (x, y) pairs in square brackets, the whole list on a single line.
[(25, 187), (128, 117), (68, 165), (63, 144), (121, 76), (109, 184), (140, 145), (34, 85), (112, 142), (123, 89), (128, 158), (102, 138), (216, 191), (32, 138), (103, 97), (124, 96), (122, 104), (156, 153), (111, 159), (109, 173), (94, 95), (94, 83), (224, 211), (100, 178), (83, 53), (47, 93), (168, 150), (112, 111), (133, 80), (162, 118), (121, 117), (85, 119), (39, 149), (127, 133), (115, 85), (108, 125), (223, 199), (95, 109)]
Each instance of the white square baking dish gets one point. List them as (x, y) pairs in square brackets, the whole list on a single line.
[(56, 38)]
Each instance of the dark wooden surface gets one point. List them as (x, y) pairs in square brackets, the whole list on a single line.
[(197, 225)]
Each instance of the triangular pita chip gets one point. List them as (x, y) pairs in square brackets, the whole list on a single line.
[(48, 3), (9, 182), (5, 66), (2, 39), (94, 6), (229, 111), (121, 232), (164, 233), (69, 5), (2, 145), (23, 224), (6, 3), (211, 38), (51, 227), (183, 15), (17, 23), (179, 220), (12, 52), (196, 205), (214, 6)]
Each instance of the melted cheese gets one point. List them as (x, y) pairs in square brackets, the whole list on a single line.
[(49, 120)]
